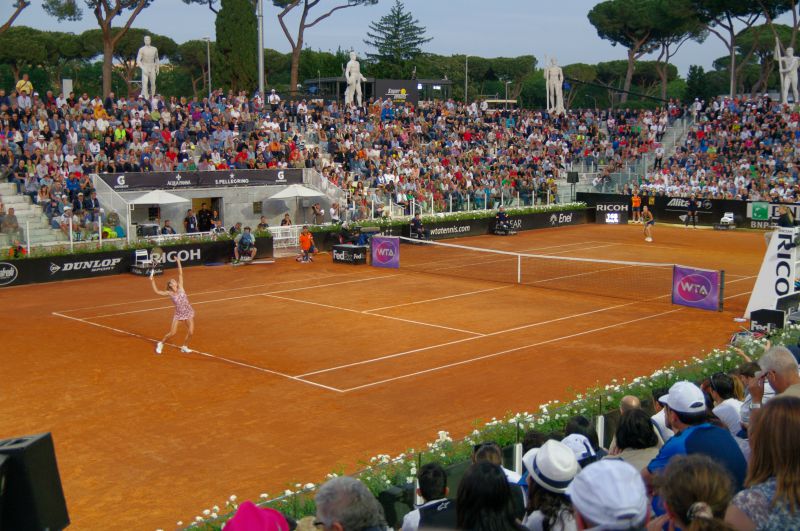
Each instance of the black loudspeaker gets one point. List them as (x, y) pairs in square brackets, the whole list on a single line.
[(33, 498), (572, 177)]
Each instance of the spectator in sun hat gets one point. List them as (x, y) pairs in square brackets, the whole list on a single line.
[(550, 469), (249, 517), (609, 495), (687, 416), (581, 447)]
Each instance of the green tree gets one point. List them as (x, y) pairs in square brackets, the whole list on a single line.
[(578, 75), (307, 20), (679, 24), (64, 49), (18, 6), (631, 23), (696, 83), (105, 11), (397, 36), (22, 47), (237, 35), (724, 17), (762, 44), (192, 56)]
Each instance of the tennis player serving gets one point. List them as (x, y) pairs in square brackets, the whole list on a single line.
[(183, 310), (649, 221)]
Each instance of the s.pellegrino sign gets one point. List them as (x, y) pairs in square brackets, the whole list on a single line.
[(697, 288)]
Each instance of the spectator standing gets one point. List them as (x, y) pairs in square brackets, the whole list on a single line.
[(25, 85), (262, 224), (204, 223), (10, 225), (190, 222), (274, 100), (771, 500), (345, 504)]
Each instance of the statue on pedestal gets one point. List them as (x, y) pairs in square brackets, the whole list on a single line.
[(147, 60), (788, 65), (354, 78), (554, 81)]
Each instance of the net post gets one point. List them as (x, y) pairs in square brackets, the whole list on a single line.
[(451, 203), (71, 245), (432, 203), (27, 235), (372, 210), (99, 230), (486, 200), (468, 207), (519, 269)]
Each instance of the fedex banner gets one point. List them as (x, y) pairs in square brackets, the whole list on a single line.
[(697, 288), (386, 251)]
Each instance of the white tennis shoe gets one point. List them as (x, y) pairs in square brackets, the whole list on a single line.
[(185, 349), (159, 347), (648, 239)]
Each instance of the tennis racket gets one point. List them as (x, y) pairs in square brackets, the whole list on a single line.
[(156, 255)]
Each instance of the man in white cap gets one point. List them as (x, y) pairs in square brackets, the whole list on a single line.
[(687, 416), (609, 495)]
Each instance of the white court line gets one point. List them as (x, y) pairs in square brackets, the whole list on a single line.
[(457, 341), (508, 351), (194, 294), (206, 354), (249, 295), (515, 329), (436, 299), (364, 312)]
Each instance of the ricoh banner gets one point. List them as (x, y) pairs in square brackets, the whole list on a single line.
[(135, 181)]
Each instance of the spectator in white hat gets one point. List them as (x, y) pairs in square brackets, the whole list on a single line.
[(609, 495), (687, 416), (582, 448), (550, 470)]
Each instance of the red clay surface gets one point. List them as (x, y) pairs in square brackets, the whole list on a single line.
[(303, 369)]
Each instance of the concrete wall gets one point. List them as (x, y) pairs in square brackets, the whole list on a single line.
[(236, 205)]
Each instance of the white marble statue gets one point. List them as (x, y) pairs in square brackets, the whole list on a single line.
[(788, 65), (554, 81), (352, 75), (147, 60)]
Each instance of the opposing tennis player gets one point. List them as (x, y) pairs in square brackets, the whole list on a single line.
[(649, 221), (183, 310)]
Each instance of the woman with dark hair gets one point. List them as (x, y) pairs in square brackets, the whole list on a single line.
[(772, 497), (484, 500), (695, 490), (637, 442), (550, 469)]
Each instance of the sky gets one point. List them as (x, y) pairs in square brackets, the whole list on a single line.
[(498, 28)]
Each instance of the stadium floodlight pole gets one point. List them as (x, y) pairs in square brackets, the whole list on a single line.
[(466, 78), (208, 58), (507, 84), (261, 50)]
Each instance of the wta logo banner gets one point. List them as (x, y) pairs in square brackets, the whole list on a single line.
[(386, 251), (697, 288)]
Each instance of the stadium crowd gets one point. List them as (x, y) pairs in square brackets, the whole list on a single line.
[(442, 151), (737, 149), (721, 454)]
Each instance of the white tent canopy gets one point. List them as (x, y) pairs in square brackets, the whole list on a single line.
[(296, 190), (158, 197)]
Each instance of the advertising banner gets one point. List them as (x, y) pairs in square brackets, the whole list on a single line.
[(135, 181), (697, 288), (386, 251), (398, 91), (612, 213)]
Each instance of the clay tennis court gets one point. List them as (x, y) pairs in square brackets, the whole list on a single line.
[(306, 368)]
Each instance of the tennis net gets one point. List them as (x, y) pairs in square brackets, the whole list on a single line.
[(608, 278)]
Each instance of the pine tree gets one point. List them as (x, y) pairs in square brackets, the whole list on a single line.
[(397, 36), (696, 84), (237, 38)]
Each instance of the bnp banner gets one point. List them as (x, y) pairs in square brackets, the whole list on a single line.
[(697, 288), (386, 251)]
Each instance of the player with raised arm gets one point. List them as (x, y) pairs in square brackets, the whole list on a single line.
[(183, 310), (649, 221)]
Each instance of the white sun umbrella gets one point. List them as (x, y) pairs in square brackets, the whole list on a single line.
[(297, 191), (158, 197)]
